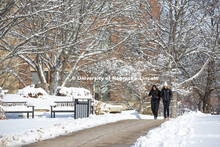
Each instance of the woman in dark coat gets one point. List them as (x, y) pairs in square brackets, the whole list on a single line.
[(155, 100), (166, 95)]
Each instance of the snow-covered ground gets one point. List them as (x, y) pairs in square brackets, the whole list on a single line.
[(193, 129), (16, 132)]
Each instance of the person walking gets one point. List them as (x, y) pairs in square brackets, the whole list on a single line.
[(155, 100), (166, 95)]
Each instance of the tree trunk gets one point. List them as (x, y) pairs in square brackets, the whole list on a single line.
[(218, 108), (140, 110), (174, 105), (206, 105), (208, 90), (42, 79), (52, 80), (200, 104)]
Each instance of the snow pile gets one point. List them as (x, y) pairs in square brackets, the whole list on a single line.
[(104, 108), (74, 92), (2, 93), (31, 92), (191, 129), (100, 107), (33, 130)]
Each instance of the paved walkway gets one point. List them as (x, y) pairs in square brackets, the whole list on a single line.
[(120, 134)]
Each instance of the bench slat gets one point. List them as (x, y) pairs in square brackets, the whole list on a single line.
[(18, 111), (63, 111)]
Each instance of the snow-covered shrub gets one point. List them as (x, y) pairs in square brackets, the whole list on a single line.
[(2, 113), (31, 92), (63, 91), (73, 92), (1, 94), (100, 108)]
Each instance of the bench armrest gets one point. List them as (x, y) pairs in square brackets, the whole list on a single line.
[(53, 105), (30, 105)]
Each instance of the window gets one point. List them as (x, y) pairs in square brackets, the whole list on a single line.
[(35, 78)]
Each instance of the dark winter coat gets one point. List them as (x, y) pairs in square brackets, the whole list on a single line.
[(155, 94), (166, 94)]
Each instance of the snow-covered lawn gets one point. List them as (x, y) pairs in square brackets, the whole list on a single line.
[(193, 129), (16, 132)]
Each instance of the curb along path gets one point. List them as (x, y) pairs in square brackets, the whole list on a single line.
[(119, 134)]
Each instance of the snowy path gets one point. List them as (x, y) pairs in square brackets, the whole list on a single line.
[(122, 133)]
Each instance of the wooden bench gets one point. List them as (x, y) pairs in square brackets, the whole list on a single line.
[(61, 107), (18, 107)]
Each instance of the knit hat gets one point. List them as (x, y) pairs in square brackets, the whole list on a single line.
[(165, 83)]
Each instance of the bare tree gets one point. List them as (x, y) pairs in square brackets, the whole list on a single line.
[(63, 37), (175, 37), (207, 85), (10, 16)]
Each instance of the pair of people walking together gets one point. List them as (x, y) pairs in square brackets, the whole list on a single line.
[(165, 94)]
